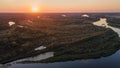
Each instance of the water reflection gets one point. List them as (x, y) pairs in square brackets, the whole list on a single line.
[(20, 26), (105, 62), (6, 66), (117, 30), (85, 15), (36, 58), (41, 56), (11, 23), (40, 48), (63, 15), (102, 22)]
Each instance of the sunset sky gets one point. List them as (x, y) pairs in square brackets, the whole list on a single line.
[(60, 5)]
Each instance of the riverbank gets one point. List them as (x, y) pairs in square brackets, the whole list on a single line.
[(114, 21), (70, 54), (69, 38)]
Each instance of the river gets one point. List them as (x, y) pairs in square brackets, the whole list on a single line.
[(112, 61)]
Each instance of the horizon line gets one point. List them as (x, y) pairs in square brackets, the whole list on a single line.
[(65, 12)]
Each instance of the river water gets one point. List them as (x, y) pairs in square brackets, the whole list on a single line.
[(112, 61), (103, 23)]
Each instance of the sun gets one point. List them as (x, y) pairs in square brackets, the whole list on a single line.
[(35, 9)]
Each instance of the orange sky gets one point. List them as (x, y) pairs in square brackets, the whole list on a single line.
[(60, 5)]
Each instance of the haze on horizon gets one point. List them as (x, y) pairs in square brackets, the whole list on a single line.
[(60, 5)]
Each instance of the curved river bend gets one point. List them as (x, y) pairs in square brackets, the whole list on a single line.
[(112, 61)]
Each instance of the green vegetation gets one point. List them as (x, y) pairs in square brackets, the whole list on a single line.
[(114, 21), (71, 38), (89, 48)]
